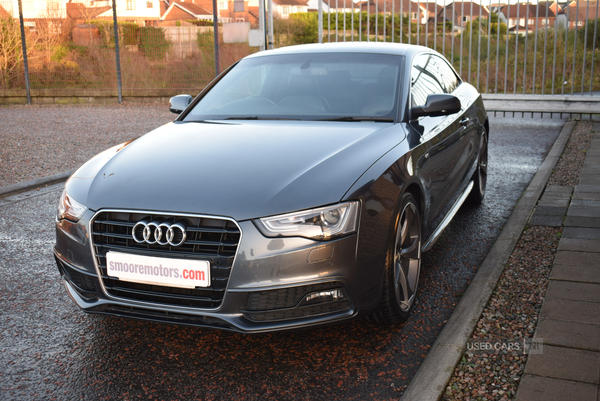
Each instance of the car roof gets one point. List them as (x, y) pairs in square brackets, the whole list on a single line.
[(347, 47)]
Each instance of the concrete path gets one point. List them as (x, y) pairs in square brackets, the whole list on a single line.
[(568, 365)]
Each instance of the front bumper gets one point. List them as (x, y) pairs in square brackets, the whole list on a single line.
[(267, 289)]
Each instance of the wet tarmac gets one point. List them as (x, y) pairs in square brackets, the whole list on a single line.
[(49, 349)]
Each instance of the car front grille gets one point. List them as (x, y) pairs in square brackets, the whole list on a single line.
[(213, 239)]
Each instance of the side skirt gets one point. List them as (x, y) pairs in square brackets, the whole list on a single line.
[(434, 237)]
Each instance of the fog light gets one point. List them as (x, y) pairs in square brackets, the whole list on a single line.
[(325, 296)]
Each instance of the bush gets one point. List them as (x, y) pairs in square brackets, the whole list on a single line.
[(153, 43), (128, 32), (591, 24), (305, 28)]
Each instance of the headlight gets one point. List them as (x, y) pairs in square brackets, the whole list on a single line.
[(322, 223), (69, 208)]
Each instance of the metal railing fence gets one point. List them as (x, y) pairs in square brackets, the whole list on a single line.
[(528, 51)]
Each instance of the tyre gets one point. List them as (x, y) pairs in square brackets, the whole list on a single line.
[(480, 176), (403, 266)]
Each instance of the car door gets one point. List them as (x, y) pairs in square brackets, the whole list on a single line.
[(446, 160)]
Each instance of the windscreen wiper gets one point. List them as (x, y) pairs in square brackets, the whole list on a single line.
[(350, 118)]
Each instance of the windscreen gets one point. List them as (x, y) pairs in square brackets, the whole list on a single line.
[(321, 86)]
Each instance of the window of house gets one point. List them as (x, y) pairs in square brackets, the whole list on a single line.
[(465, 18), (223, 5), (414, 16), (238, 6), (239, 20), (149, 4), (130, 4), (286, 9)]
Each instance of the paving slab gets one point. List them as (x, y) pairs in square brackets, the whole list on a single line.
[(589, 179), (596, 127), (571, 311), (584, 211), (575, 291), (551, 210), (547, 221), (586, 195), (581, 232), (577, 258), (537, 388), (565, 363), (592, 203), (563, 190), (576, 273), (577, 221), (555, 202), (588, 188), (571, 334), (589, 167), (580, 245)]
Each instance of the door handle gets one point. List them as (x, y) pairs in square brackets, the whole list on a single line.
[(465, 121)]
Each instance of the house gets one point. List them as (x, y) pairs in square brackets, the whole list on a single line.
[(36, 11), (418, 13), (178, 10), (283, 8), (523, 17), (341, 6), (460, 13), (578, 13), (142, 12)]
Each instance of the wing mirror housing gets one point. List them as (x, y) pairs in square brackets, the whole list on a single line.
[(179, 103), (437, 105)]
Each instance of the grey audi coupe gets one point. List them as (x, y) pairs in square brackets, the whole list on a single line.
[(298, 189)]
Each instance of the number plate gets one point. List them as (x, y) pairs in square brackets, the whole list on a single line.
[(158, 271)]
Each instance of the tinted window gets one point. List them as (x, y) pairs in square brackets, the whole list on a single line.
[(448, 77), (425, 79), (305, 86)]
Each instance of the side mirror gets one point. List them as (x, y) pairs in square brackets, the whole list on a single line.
[(437, 105), (179, 103)]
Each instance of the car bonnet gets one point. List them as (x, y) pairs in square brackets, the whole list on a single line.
[(241, 170)]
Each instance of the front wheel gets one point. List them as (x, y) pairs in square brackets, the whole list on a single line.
[(480, 177), (403, 265)]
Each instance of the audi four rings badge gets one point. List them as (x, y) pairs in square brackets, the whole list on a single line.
[(161, 233)]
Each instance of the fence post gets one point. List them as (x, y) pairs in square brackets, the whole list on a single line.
[(320, 11), (261, 23), (270, 15), (216, 31), (117, 52), (24, 46)]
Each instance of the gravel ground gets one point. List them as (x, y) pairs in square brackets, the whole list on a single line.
[(511, 316), (72, 135), (569, 166)]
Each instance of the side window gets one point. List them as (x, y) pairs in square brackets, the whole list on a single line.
[(425, 79), (449, 78)]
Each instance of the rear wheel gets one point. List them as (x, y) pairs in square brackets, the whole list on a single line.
[(403, 265), (480, 177)]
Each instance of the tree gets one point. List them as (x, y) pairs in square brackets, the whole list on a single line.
[(11, 52)]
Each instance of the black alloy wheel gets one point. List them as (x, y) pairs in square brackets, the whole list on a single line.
[(404, 265), (480, 176)]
